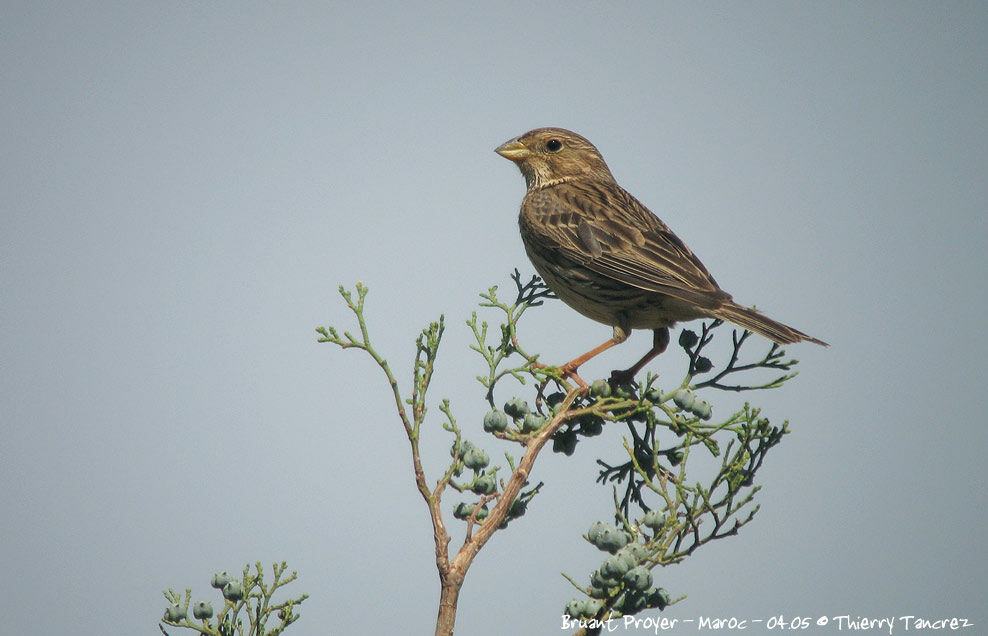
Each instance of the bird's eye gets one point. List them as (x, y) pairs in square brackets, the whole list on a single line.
[(553, 145)]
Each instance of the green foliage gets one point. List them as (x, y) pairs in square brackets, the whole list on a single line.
[(247, 605), (663, 513)]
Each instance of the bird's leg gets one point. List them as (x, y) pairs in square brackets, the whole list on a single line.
[(569, 369), (660, 340)]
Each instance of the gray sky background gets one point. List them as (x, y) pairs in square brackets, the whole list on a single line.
[(183, 188)]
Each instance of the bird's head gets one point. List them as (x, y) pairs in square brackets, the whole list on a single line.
[(552, 155)]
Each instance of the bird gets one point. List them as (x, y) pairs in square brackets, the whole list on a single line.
[(609, 257)]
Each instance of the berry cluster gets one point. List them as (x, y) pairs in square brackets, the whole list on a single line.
[(623, 582)]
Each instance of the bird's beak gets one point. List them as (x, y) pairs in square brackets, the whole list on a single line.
[(513, 150)]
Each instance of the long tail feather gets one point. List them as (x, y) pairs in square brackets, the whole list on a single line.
[(763, 325)]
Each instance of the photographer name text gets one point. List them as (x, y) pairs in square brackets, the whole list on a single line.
[(836, 623)]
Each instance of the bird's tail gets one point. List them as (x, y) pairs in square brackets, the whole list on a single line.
[(763, 325)]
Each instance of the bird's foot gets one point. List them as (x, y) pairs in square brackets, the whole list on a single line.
[(566, 371), (622, 377), (660, 340), (570, 372)]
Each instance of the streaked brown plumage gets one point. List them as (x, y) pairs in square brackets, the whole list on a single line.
[(607, 256)]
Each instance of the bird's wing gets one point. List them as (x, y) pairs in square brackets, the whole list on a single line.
[(604, 228)]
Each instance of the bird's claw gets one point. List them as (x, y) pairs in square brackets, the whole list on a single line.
[(622, 377)]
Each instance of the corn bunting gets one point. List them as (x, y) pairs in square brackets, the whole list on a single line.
[(608, 257)]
